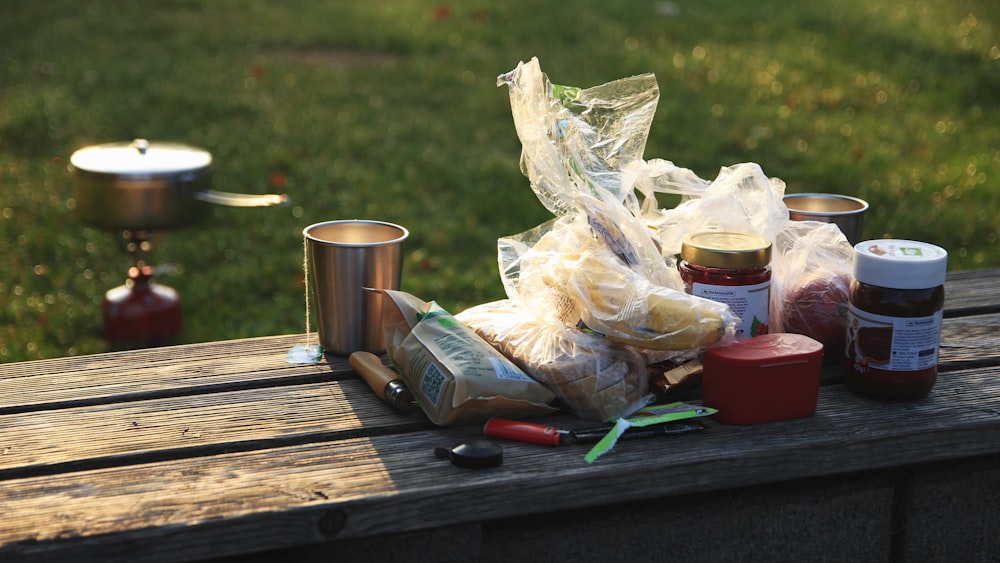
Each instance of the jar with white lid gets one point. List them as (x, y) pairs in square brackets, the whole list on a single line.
[(894, 318)]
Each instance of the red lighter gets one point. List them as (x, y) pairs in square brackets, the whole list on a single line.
[(534, 433), (527, 432)]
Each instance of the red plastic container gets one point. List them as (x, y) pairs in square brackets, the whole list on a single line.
[(763, 379)]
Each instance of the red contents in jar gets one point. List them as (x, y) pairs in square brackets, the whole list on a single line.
[(692, 273), (731, 268)]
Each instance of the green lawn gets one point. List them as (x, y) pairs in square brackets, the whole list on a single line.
[(390, 110)]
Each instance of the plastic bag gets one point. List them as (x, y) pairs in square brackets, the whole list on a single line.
[(606, 262), (593, 377), (812, 269), (456, 376), (597, 263), (812, 262), (741, 199), (576, 140), (592, 299), (584, 269)]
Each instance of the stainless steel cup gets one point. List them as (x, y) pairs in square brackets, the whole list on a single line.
[(344, 257), (846, 212)]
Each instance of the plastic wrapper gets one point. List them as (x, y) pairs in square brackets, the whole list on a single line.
[(576, 140), (607, 263), (592, 298), (593, 377), (455, 375), (811, 261), (597, 263), (812, 268), (586, 269), (740, 199)]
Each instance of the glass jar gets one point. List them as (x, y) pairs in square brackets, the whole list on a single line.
[(894, 318), (731, 268)]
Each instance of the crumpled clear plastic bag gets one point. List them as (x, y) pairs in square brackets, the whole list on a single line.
[(597, 263), (592, 377), (740, 199), (812, 269), (811, 264), (587, 268), (576, 140), (604, 267), (592, 300)]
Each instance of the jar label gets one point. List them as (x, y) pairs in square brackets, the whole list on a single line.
[(880, 342), (748, 302)]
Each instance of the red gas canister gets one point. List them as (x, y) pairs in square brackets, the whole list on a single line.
[(141, 313)]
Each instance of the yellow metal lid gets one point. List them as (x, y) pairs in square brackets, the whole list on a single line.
[(713, 249)]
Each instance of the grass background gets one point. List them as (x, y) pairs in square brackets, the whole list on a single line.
[(389, 110)]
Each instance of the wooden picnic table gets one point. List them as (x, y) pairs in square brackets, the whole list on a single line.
[(224, 450)]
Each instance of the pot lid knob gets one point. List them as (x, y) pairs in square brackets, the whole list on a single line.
[(141, 145)]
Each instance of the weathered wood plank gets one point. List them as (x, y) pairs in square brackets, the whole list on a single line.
[(970, 341), (36, 443), (365, 486), (149, 373), (159, 355), (186, 426), (972, 291)]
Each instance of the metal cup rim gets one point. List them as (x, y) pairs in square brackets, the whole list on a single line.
[(404, 232), (862, 204)]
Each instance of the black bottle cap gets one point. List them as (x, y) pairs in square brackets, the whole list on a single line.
[(474, 454)]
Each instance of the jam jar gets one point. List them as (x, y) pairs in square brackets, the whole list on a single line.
[(731, 268), (894, 318)]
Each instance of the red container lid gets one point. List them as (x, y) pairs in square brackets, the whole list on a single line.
[(773, 349), (763, 379)]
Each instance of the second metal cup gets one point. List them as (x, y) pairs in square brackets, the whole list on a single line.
[(846, 212)]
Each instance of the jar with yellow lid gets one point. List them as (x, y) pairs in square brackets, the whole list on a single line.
[(731, 268)]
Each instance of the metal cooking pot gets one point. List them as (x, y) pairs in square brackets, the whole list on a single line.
[(141, 185)]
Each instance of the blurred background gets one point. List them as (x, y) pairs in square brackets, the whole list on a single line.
[(390, 110)]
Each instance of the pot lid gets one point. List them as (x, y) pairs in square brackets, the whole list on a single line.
[(141, 157)]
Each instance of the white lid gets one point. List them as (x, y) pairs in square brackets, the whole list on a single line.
[(141, 157), (900, 264)]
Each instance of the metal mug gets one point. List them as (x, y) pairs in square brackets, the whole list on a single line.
[(847, 212), (344, 258)]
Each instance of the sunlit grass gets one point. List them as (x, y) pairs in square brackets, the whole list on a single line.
[(390, 110)]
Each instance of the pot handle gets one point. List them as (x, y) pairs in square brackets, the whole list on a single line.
[(241, 200)]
